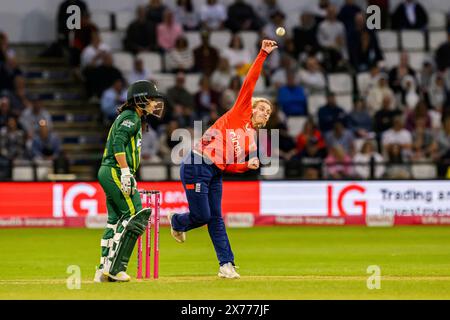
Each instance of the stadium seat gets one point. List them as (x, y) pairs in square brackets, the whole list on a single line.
[(314, 103), (193, 38), (123, 61), (391, 59), (164, 80), (424, 171), (22, 173), (388, 40), (113, 39), (416, 59), (220, 39), (43, 169), (191, 82), (153, 172), (340, 83), (362, 81), (123, 19), (436, 20), (249, 38), (436, 38), (102, 19), (345, 101), (412, 40), (295, 125), (152, 61)]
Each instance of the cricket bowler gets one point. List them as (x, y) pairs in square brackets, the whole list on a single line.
[(126, 218), (228, 145)]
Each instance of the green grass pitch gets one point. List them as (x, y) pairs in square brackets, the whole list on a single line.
[(275, 263)]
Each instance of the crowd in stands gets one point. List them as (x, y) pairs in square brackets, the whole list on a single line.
[(398, 115), (25, 126)]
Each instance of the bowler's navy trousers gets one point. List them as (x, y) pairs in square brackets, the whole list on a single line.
[(203, 185)]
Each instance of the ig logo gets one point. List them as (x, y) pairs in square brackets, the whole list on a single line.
[(74, 20), (373, 17)]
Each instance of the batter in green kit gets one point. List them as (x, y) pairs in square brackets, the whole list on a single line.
[(126, 218)]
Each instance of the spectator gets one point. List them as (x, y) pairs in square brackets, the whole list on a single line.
[(186, 15), (309, 133), (419, 112), (150, 146), (341, 136), (360, 121), (319, 9), (347, 14), (396, 167), (19, 98), (265, 9), (383, 117), (241, 16), (82, 38), (330, 113), (425, 75), (155, 11), (410, 97), (279, 77), (221, 77), (206, 57), (112, 98), (138, 72), (206, 99), (365, 84), (364, 159), (331, 37), (168, 31), (312, 77), (438, 94), (213, 15), (165, 141), (34, 117), (338, 164), (178, 96), (397, 73), (5, 111), (6, 52), (364, 51), (443, 141), (94, 54), (229, 95), (377, 94), (276, 20), (13, 140), (397, 135), (409, 15), (45, 144), (291, 97), (311, 158), (9, 70), (286, 147), (423, 147), (180, 58), (442, 55), (141, 33), (305, 35), (239, 58), (102, 77)]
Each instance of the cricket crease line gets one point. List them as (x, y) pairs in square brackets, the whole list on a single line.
[(174, 279)]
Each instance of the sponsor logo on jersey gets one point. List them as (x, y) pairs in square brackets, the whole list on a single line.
[(127, 123)]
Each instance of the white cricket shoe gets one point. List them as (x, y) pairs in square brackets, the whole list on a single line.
[(100, 276), (228, 271), (121, 276), (177, 235)]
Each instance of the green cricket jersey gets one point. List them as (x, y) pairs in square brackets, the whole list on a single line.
[(124, 137)]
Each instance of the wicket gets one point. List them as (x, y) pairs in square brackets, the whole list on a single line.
[(148, 195)]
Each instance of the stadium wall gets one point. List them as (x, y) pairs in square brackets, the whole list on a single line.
[(245, 203)]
